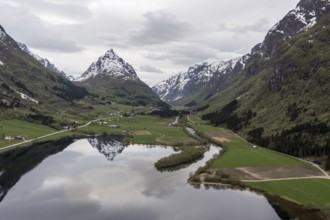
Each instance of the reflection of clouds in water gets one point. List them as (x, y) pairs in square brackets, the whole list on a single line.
[(81, 184), (80, 146)]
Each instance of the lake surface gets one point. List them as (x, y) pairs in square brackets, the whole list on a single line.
[(103, 178)]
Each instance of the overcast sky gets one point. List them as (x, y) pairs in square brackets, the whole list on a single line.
[(157, 37)]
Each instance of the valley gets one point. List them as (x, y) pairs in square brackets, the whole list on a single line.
[(239, 163), (250, 133)]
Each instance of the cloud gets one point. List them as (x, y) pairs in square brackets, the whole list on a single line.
[(160, 27), (149, 69), (261, 25), (37, 33), (184, 53), (58, 10)]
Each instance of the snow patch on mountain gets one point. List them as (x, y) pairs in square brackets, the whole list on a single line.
[(110, 64), (1, 63), (26, 97)]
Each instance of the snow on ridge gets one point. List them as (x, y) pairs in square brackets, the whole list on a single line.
[(110, 64), (306, 16), (199, 74), (1, 63), (43, 61)]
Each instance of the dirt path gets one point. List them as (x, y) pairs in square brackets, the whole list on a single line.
[(190, 119), (291, 178)]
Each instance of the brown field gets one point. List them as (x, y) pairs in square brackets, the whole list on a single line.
[(220, 139), (264, 173)]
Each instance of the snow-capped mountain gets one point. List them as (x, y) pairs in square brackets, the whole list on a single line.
[(109, 147), (115, 80), (45, 62), (215, 77), (111, 65), (187, 83)]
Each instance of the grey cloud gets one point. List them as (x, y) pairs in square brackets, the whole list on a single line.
[(150, 69), (36, 34), (57, 8), (160, 27), (261, 25), (185, 54)]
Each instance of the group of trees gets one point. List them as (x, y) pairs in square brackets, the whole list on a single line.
[(302, 140), (227, 117)]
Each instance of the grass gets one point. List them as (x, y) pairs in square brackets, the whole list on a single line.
[(240, 153), (21, 128), (311, 192), (158, 129)]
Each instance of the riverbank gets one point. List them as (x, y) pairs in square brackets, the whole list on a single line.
[(245, 164)]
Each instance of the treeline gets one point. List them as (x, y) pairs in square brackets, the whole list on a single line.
[(301, 140), (188, 155), (226, 117)]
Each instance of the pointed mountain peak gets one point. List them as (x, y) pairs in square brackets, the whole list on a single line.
[(111, 54), (110, 65)]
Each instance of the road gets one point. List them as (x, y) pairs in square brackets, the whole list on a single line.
[(47, 135)]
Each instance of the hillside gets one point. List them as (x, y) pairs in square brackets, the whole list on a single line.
[(281, 99), (25, 83)]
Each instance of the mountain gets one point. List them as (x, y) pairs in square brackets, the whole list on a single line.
[(202, 81), (45, 62), (183, 87), (112, 78), (25, 83), (280, 99)]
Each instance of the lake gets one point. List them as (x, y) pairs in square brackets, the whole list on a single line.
[(105, 178)]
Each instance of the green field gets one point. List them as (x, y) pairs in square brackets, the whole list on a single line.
[(21, 128), (156, 130), (240, 153), (312, 192)]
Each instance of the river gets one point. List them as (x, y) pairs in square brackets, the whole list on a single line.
[(104, 178)]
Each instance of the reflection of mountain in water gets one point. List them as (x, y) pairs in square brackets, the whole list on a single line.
[(110, 147), (14, 164)]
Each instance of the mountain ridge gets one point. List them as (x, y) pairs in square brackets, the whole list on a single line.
[(44, 61)]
